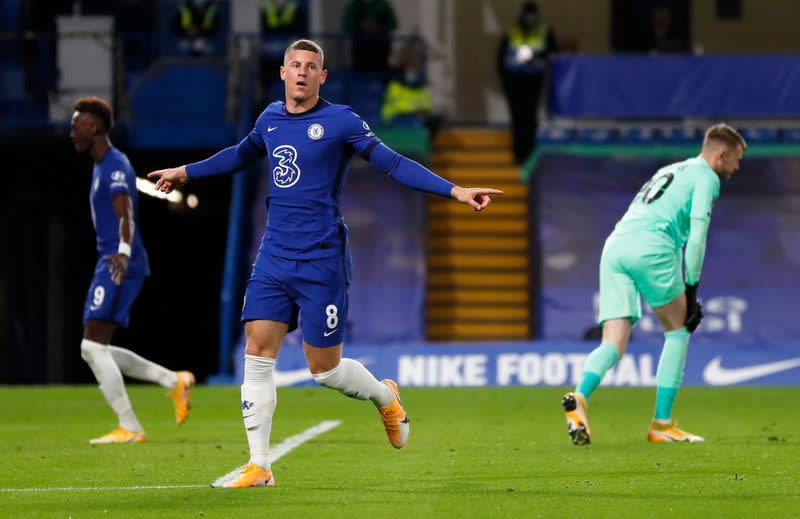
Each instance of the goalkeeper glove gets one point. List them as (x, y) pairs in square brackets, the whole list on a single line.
[(694, 310)]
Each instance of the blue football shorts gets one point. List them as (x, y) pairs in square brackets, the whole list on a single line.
[(280, 289), (107, 301)]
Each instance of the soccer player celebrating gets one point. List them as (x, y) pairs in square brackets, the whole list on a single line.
[(643, 256), (118, 276), (303, 264)]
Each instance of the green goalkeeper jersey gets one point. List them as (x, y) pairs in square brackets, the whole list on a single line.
[(671, 198)]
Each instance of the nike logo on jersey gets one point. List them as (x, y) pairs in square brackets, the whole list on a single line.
[(326, 334), (93, 308), (271, 128), (715, 375)]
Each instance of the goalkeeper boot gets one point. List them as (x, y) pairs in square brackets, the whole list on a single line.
[(670, 432), (394, 417), (251, 475), (181, 395), (120, 435), (577, 424)]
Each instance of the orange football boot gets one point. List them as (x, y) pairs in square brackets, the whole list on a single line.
[(577, 423), (394, 417), (120, 435), (181, 395), (665, 433)]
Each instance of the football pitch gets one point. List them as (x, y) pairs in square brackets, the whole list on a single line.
[(473, 452)]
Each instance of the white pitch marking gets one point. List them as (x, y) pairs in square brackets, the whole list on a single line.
[(277, 452), (284, 447)]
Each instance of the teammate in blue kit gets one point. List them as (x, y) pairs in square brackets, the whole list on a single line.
[(303, 264), (643, 256), (118, 276)]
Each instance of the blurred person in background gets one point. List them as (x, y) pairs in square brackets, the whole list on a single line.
[(303, 267), (522, 59), (370, 24), (407, 100), (194, 22), (118, 276), (642, 255), (282, 21)]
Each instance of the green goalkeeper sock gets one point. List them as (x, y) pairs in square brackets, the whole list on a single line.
[(597, 364), (669, 374)]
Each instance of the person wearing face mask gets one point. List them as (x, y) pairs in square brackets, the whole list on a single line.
[(194, 22), (407, 100), (521, 62)]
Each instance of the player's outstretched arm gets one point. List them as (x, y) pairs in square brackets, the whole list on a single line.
[(476, 197), (225, 162), (169, 179), (417, 176)]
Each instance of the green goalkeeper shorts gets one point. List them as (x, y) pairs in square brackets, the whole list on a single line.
[(637, 263)]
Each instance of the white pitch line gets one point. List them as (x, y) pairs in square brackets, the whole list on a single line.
[(278, 451)]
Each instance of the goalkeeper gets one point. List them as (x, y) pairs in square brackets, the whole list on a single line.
[(643, 256)]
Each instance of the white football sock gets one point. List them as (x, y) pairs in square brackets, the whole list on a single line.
[(135, 366), (259, 399), (352, 379), (107, 373)]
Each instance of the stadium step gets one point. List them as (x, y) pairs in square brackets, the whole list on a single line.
[(471, 174), (478, 277), (488, 243), (469, 296), (483, 312), (463, 261), (501, 207), (488, 158), (495, 225), (463, 331), (472, 138)]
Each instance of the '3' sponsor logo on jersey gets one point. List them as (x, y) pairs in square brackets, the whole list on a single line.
[(286, 173)]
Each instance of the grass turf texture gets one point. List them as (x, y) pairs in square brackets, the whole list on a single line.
[(499, 452)]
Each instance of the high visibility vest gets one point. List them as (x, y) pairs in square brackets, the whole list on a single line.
[(535, 39), (205, 24), (402, 99), (279, 17)]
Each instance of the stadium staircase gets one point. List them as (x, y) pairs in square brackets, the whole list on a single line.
[(477, 272)]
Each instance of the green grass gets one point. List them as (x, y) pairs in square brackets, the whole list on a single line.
[(500, 452)]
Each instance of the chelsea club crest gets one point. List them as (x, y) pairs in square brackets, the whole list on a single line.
[(316, 131)]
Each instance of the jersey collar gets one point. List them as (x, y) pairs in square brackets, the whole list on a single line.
[(321, 103)]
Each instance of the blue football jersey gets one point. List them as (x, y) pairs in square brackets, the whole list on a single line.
[(308, 159), (111, 176)]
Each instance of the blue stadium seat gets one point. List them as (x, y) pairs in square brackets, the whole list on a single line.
[(549, 135), (369, 108), (366, 84), (408, 121), (760, 135), (680, 135), (185, 93), (334, 89), (791, 135), (12, 83), (637, 135), (596, 135)]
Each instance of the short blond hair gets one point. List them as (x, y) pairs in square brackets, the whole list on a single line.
[(725, 134), (308, 45)]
